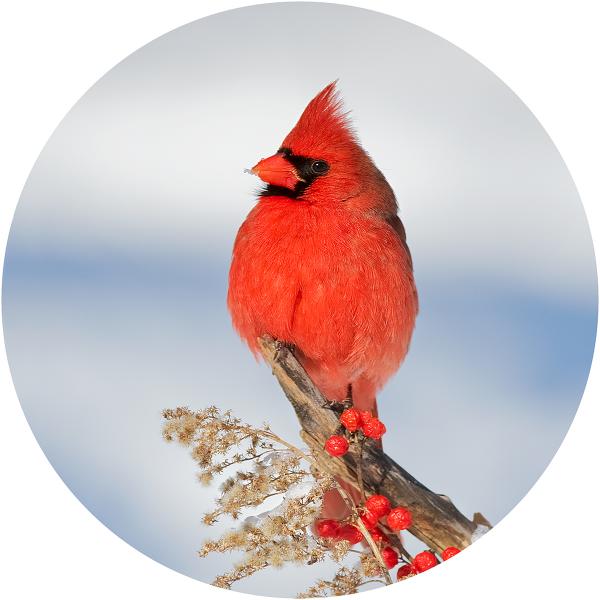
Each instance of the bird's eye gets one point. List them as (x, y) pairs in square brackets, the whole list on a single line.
[(319, 167)]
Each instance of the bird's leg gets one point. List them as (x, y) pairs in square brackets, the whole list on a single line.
[(349, 400)]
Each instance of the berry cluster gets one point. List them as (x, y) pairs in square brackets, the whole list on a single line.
[(335, 530), (423, 562), (354, 421), (376, 508)]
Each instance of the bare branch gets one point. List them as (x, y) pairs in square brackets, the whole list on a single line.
[(436, 521)]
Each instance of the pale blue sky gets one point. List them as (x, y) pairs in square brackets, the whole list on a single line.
[(115, 278)]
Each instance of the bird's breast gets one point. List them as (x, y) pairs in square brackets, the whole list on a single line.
[(332, 283)]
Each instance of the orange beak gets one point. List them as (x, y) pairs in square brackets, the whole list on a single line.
[(276, 170)]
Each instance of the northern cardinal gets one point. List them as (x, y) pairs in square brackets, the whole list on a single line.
[(321, 261)]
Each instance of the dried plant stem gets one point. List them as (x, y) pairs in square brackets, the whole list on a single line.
[(404, 553), (358, 523), (359, 470)]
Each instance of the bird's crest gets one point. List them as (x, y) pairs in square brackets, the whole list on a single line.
[(323, 125)]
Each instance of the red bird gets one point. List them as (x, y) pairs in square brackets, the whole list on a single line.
[(321, 262)]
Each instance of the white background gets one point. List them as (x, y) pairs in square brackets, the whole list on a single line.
[(543, 51)]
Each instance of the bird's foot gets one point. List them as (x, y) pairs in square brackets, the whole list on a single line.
[(336, 407), (340, 406)]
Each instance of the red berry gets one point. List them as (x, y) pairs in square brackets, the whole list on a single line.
[(328, 528), (449, 552), (369, 519), (390, 557), (350, 419), (373, 428), (350, 534), (365, 416), (337, 445), (405, 571), (424, 561), (399, 518), (379, 536), (378, 505)]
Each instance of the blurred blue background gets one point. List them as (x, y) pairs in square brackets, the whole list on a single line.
[(116, 268)]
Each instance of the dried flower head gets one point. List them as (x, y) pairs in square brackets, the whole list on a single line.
[(266, 466)]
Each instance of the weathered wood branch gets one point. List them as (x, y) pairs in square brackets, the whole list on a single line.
[(436, 521)]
